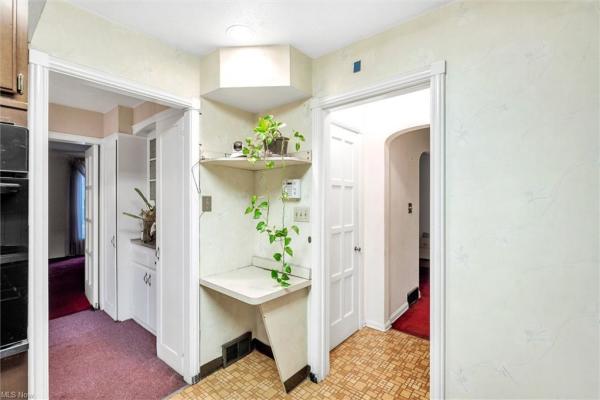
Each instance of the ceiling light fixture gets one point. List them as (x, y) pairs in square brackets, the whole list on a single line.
[(240, 33)]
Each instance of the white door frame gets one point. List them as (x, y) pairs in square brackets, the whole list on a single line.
[(40, 64), (95, 225), (433, 75)]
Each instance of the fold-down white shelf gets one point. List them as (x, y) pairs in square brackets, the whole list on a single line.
[(251, 285)]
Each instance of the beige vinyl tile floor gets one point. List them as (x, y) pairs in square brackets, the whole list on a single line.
[(369, 365)]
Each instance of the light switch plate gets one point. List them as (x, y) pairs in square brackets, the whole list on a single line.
[(301, 214)]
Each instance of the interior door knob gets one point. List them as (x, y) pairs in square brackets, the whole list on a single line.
[(357, 248)]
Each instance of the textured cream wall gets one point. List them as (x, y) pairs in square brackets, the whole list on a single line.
[(72, 34), (227, 235), (522, 187)]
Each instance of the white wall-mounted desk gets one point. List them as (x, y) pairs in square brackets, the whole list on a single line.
[(283, 311), (252, 285)]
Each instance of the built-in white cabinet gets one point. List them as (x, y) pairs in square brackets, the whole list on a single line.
[(154, 285), (143, 289)]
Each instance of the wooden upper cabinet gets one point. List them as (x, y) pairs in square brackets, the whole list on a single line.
[(13, 53)]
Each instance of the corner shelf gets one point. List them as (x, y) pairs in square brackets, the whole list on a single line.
[(302, 158)]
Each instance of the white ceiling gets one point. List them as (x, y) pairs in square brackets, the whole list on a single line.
[(314, 27), (73, 92)]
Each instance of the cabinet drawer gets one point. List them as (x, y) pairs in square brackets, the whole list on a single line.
[(143, 256)]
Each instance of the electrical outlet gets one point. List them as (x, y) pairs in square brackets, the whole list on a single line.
[(206, 203), (301, 214)]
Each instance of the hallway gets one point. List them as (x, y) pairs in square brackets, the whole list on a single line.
[(93, 357)]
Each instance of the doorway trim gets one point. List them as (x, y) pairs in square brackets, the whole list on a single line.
[(40, 65), (434, 76)]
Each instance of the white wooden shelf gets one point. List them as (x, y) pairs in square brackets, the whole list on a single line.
[(223, 160), (243, 163), (252, 285)]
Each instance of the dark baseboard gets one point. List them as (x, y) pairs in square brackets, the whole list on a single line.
[(210, 367), (262, 348), (216, 364), (296, 379)]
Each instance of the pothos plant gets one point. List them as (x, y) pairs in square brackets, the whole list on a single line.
[(267, 131)]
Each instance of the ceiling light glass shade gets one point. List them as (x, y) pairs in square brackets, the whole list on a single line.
[(240, 33)]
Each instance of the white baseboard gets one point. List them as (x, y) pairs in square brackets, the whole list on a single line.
[(397, 314), (376, 325), (384, 327)]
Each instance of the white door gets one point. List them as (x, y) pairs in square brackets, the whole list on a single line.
[(91, 225), (109, 231), (172, 247), (343, 240)]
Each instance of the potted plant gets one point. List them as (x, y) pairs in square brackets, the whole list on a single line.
[(267, 133), (268, 140), (148, 218)]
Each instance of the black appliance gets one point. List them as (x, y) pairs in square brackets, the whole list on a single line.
[(14, 238)]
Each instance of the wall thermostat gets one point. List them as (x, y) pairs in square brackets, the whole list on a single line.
[(292, 188)]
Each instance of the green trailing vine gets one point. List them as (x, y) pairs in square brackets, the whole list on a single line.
[(266, 132)]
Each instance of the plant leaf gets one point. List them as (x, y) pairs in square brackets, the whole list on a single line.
[(285, 277), (277, 256), (249, 210), (287, 268), (274, 273), (257, 214), (138, 191), (295, 229), (287, 241), (253, 199), (270, 164), (271, 238), (289, 250), (133, 215), (284, 284), (297, 146), (264, 204), (261, 226)]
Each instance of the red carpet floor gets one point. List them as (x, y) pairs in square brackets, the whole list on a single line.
[(415, 321), (93, 357), (66, 285)]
